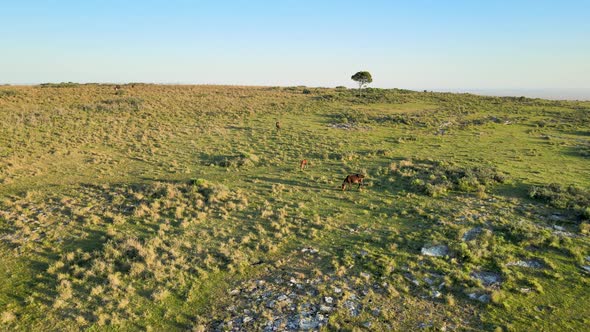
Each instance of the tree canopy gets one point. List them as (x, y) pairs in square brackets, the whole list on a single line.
[(362, 78)]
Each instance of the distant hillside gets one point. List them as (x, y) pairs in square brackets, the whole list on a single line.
[(554, 94)]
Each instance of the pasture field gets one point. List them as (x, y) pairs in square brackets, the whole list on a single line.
[(163, 208)]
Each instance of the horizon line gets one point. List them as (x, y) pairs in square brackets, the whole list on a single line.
[(496, 92)]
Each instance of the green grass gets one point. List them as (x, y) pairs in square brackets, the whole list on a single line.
[(144, 208)]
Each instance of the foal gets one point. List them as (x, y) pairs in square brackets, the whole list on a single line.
[(303, 164)]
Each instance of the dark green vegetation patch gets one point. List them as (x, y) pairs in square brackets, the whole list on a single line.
[(570, 197)]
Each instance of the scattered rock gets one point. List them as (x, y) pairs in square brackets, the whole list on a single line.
[(348, 126), (353, 308), (425, 325), (308, 323), (559, 228), (310, 250), (484, 298), (412, 279), (472, 234), (306, 319), (565, 234), (556, 217), (533, 264), (487, 278), (586, 268), (436, 251), (302, 308), (273, 325)]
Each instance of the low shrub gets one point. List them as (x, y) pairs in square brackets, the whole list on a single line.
[(436, 178), (239, 160), (7, 93), (569, 198), (59, 85)]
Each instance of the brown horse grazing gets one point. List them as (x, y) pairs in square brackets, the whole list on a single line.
[(278, 124), (117, 87), (303, 164), (354, 178)]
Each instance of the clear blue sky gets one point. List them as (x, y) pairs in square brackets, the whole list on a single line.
[(410, 44)]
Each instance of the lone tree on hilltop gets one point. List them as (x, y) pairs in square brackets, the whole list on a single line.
[(362, 78)]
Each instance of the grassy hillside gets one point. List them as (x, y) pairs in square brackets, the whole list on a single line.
[(183, 207)]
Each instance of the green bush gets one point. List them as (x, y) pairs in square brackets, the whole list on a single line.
[(436, 178), (7, 93), (570, 198), (59, 85)]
